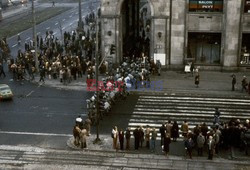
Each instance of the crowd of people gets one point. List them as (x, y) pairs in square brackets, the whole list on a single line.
[(220, 136), (66, 59)]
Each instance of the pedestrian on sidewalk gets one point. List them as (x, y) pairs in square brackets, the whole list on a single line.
[(175, 131), (2, 70), (141, 136), (192, 69), (115, 137), (76, 134), (136, 134), (200, 144), (233, 82), (53, 3), (244, 84), (162, 132), (158, 65), (211, 145), (147, 136), (127, 135), (197, 79), (184, 129), (42, 74), (83, 138), (121, 139), (153, 139), (189, 144), (167, 141)]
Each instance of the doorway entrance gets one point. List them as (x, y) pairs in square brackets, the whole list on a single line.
[(136, 28)]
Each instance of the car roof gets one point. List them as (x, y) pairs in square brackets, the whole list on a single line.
[(4, 85)]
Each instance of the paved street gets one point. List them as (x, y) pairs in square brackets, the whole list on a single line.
[(36, 127), (68, 21)]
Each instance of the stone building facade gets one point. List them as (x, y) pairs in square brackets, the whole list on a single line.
[(214, 34)]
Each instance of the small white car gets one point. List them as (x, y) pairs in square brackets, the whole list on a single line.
[(5, 92)]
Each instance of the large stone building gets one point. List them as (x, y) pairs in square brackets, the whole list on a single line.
[(215, 34)]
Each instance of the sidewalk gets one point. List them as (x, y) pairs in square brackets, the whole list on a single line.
[(211, 83)]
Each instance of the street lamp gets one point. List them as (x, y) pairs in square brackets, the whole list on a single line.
[(80, 17), (34, 35), (97, 140)]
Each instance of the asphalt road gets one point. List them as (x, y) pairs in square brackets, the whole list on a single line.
[(68, 21), (38, 115)]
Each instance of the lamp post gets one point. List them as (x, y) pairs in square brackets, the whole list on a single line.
[(97, 140), (80, 17), (34, 35)]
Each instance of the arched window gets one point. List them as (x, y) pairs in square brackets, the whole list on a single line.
[(206, 6)]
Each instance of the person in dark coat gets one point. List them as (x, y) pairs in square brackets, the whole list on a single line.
[(141, 136), (127, 135), (162, 131), (1, 70), (189, 144), (197, 80), (136, 134), (233, 82), (192, 69), (175, 131), (121, 139), (244, 84), (167, 141)]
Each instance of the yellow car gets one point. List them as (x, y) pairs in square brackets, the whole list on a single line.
[(5, 92)]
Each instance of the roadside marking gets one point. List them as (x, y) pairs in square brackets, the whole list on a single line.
[(63, 28), (35, 134), (70, 16), (47, 28), (14, 45), (56, 23), (54, 33), (70, 24), (38, 33), (27, 38), (76, 13), (63, 20), (30, 93)]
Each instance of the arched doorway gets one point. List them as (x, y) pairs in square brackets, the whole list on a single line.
[(135, 30)]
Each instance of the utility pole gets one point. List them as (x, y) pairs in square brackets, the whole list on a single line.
[(97, 88), (80, 17), (34, 35)]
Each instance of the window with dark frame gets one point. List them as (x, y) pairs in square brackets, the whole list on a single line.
[(247, 6), (206, 6)]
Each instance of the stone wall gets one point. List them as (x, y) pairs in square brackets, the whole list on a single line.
[(232, 22), (178, 32)]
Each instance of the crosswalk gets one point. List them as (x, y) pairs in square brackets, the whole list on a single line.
[(153, 110)]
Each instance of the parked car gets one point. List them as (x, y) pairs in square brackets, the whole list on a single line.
[(5, 92)]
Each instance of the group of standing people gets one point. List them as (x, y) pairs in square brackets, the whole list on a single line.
[(201, 138), (81, 131), (245, 85)]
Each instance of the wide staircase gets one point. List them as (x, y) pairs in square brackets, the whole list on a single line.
[(153, 110)]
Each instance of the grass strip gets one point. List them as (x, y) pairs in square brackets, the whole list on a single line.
[(13, 28)]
